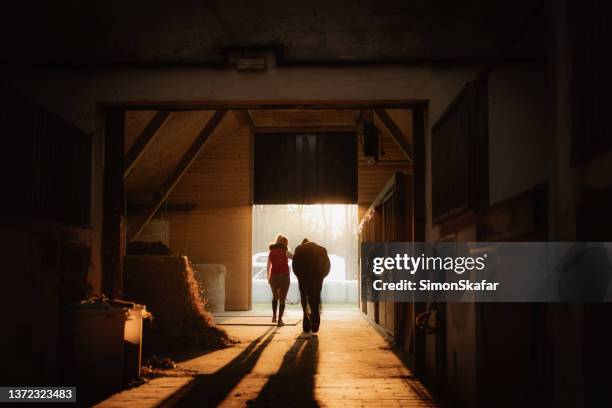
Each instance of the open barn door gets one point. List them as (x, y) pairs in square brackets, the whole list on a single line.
[(294, 168)]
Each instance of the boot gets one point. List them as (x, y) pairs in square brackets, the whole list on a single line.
[(274, 304), (281, 310)]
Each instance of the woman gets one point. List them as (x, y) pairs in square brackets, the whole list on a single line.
[(278, 275)]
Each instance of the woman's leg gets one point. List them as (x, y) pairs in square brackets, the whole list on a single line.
[(283, 289), (274, 305), (281, 310), (274, 288)]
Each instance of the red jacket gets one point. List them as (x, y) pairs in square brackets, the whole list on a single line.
[(278, 259)]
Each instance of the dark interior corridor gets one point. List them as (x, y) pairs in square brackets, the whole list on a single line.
[(141, 137)]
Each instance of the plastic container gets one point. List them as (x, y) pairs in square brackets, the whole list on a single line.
[(95, 349), (132, 339)]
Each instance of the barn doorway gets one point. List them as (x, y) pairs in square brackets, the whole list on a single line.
[(305, 186), (195, 179), (334, 226)]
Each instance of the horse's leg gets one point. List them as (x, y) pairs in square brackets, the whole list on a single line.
[(314, 299), (304, 301)]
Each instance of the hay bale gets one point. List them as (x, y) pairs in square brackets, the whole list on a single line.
[(167, 286), (211, 278)]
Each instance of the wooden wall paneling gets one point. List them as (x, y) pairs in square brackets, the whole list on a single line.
[(135, 123), (378, 237), (171, 141), (373, 177), (170, 182), (403, 205), (46, 168), (219, 229), (389, 236), (389, 218), (396, 133), (143, 140), (459, 155), (450, 158), (520, 217)]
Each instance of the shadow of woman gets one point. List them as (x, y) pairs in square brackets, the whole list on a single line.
[(210, 390), (294, 382)]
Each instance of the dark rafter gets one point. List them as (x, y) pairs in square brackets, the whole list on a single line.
[(168, 185), (244, 117), (143, 141), (395, 132)]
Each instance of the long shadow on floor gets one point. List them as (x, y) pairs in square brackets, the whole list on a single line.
[(293, 384), (209, 390)]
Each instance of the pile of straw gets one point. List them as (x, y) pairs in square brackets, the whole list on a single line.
[(167, 286)]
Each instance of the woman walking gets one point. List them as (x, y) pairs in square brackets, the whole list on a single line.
[(278, 275)]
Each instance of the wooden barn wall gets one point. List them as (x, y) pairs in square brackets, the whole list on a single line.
[(515, 211), (45, 234), (218, 229), (371, 178)]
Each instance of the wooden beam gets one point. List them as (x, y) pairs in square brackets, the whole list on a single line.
[(305, 129), (113, 243), (395, 132), (143, 141), (168, 185), (266, 104), (244, 117)]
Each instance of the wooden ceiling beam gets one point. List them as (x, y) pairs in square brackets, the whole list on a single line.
[(395, 132), (244, 117), (305, 129), (171, 181), (143, 141)]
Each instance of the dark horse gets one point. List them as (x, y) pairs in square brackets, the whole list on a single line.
[(311, 265)]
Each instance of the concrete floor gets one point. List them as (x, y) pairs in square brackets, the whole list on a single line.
[(348, 364)]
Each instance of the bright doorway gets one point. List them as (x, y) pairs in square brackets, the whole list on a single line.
[(334, 226)]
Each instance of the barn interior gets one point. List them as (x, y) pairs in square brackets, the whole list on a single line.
[(195, 179), (174, 130)]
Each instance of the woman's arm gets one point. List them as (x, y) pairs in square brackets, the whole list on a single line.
[(289, 254), (269, 267)]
